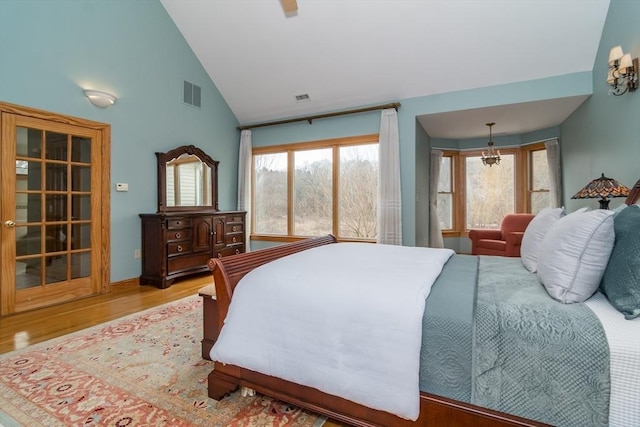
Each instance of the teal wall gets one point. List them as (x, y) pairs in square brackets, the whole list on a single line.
[(603, 134), (51, 50)]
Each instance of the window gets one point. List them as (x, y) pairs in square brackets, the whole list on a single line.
[(490, 191), (316, 188), (538, 187), (446, 193), (472, 195)]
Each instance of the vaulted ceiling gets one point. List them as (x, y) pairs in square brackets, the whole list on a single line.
[(351, 53)]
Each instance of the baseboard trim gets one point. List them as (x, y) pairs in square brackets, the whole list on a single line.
[(127, 282)]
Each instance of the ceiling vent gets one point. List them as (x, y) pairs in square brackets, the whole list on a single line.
[(192, 94), (302, 98)]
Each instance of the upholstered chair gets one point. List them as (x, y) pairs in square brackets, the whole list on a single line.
[(503, 242)]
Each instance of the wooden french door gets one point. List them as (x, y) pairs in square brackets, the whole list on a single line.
[(51, 209)]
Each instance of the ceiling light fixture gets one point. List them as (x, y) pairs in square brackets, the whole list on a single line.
[(99, 98), (492, 157), (623, 72)]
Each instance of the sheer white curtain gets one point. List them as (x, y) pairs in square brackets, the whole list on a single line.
[(389, 194), (244, 182), (435, 232), (555, 172)]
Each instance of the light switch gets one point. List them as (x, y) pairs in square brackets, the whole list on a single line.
[(122, 186)]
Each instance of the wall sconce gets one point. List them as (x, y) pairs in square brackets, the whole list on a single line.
[(623, 72), (99, 98)]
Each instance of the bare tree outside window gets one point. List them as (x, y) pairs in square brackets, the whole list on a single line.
[(445, 194), (312, 183), (270, 193), (539, 186), (332, 188), (358, 191), (490, 191)]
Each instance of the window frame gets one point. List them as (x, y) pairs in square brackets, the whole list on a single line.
[(335, 144), (454, 231), (527, 157), (522, 174)]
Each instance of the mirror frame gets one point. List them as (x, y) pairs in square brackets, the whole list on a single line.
[(164, 158)]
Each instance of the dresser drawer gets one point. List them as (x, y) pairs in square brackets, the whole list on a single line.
[(234, 239), (178, 223), (235, 218), (178, 248), (182, 263), (179, 234), (232, 250), (234, 228)]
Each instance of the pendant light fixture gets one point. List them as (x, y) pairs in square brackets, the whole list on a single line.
[(492, 157)]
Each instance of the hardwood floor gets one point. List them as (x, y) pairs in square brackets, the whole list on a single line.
[(23, 329)]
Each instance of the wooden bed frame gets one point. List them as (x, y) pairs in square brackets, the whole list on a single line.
[(224, 379)]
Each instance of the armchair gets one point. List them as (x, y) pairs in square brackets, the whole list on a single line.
[(503, 242)]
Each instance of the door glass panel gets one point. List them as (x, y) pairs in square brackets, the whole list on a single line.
[(81, 236), (56, 238), (56, 144), (55, 269), (28, 142), (80, 149), (56, 207), (80, 178), (28, 273), (56, 177), (28, 175), (81, 207), (28, 240), (80, 265)]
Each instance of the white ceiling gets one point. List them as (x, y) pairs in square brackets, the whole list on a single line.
[(351, 53)]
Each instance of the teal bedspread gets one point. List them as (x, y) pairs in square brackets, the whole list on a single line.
[(492, 336), (447, 330), (535, 357)]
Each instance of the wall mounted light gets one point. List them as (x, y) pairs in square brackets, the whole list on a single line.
[(493, 156), (99, 98), (623, 72)]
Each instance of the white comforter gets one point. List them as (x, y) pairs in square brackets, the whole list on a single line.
[(344, 318)]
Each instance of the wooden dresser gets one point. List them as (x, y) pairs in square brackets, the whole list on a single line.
[(177, 244)]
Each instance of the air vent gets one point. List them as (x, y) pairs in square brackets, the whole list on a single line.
[(191, 94), (303, 97)]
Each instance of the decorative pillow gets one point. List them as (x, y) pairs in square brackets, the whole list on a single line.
[(574, 254), (534, 234), (621, 280)]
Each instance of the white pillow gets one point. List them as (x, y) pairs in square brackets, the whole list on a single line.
[(534, 233), (574, 254)]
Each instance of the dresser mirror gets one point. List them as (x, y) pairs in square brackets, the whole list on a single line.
[(187, 180)]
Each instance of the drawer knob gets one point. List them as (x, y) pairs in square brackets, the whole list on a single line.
[(234, 240), (237, 251), (177, 235), (219, 255), (179, 248), (234, 228)]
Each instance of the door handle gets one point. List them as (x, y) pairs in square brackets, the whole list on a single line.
[(9, 224)]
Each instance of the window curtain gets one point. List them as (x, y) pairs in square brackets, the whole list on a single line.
[(435, 232), (389, 194), (555, 172), (244, 182)]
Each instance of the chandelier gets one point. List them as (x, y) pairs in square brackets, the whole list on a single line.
[(492, 157)]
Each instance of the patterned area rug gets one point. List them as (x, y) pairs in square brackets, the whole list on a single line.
[(140, 370)]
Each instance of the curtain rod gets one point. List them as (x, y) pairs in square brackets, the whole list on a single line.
[(309, 119)]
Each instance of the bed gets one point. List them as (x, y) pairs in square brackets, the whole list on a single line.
[(465, 393)]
